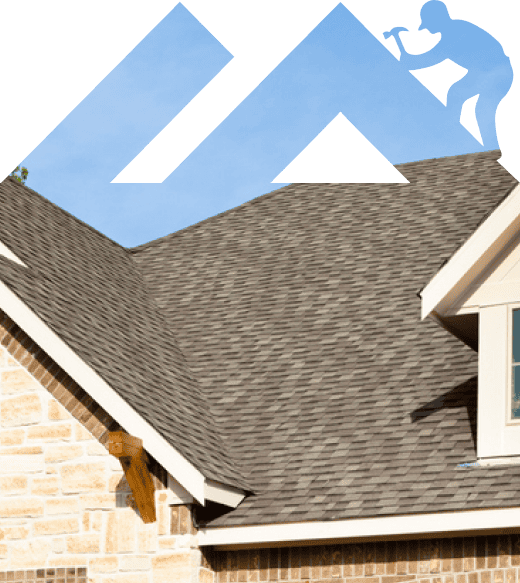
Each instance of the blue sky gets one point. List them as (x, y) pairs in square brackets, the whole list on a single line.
[(338, 67)]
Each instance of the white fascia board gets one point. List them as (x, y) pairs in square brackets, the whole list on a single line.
[(223, 494), (185, 473), (6, 252), (388, 526), (484, 244)]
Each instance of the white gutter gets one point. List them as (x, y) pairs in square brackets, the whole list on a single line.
[(411, 524)]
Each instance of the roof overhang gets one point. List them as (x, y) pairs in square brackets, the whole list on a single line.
[(469, 262), (387, 527), (187, 475)]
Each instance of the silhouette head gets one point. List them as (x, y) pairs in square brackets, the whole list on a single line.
[(434, 16)]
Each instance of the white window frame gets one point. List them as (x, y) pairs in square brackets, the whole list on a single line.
[(497, 435), (509, 418)]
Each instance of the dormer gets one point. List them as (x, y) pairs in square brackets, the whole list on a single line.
[(476, 296)]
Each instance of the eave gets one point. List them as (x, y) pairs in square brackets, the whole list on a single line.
[(490, 239)]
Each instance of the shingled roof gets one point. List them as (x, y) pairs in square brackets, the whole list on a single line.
[(298, 315), (278, 346), (87, 289)]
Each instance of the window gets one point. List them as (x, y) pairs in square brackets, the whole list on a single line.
[(515, 376)]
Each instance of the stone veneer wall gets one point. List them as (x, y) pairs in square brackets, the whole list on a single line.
[(64, 501), (482, 559)]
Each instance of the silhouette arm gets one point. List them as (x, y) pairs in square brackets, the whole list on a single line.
[(433, 57)]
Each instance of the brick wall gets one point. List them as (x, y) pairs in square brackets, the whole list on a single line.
[(483, 559), (64, 501)]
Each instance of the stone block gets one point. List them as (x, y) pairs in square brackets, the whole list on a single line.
[(22, 410), (117, 483), (18, 507), (48, 486), (121, 531), (56, 526), (103, 565), (53, 432), (12, 437), (62, 453), (17, 381), (147, 538), (173, 568), (80, 433), (25, 459), (62, 505), (67, 560), (83, 477), (83, 543), (58, 545), (95, 448), (14, 532), (127, 578), (206, 576), (56, 411), (13, 485), (167, 542), (101, 501), (163, 519), (135, 563), (96, 521), (29, 554)]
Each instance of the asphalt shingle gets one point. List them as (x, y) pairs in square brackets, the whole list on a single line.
[(298, 314)]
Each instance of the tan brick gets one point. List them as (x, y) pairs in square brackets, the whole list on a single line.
[(29, 554), (362, 580), (21, 410), (117, 483), (51, 470), (17, 507), (58, 545), (397, 578), (136, 578), (167, 542), (163, 519), (54, 432), (101, 501), (62, 453), (135, 563), (162, 497), (83, 477), (511, 576), (13, 485), (63, 505), (206, 576), (95, 448), (83, 543), (57, 412), (67, 560), (12, 437), (103, 565), (17, 381), (85, 522), (15, 532), (485, 577), (147, 538), (48, 486), (80, 433), (96, 521), (120, 531), (498, 576), (172, 567), (56, 526)]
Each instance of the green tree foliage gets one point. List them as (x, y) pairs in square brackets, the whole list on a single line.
[(20, 173)]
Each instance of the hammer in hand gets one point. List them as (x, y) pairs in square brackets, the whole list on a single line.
[(395, 33)]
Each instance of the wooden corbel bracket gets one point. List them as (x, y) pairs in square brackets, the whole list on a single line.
[(133, 459)]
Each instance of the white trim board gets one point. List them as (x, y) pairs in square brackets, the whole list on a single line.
[(388, 526), (470, 260), (185, 473), (223, 494)]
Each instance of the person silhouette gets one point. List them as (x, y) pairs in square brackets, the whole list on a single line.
[(489, 75)]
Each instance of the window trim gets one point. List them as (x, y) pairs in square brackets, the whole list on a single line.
[(509, 389)]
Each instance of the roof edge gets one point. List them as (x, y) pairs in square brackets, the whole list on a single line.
[(410, 525), (473, 256), (190, 478)]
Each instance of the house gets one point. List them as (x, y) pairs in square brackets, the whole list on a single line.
[(286, 391)]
